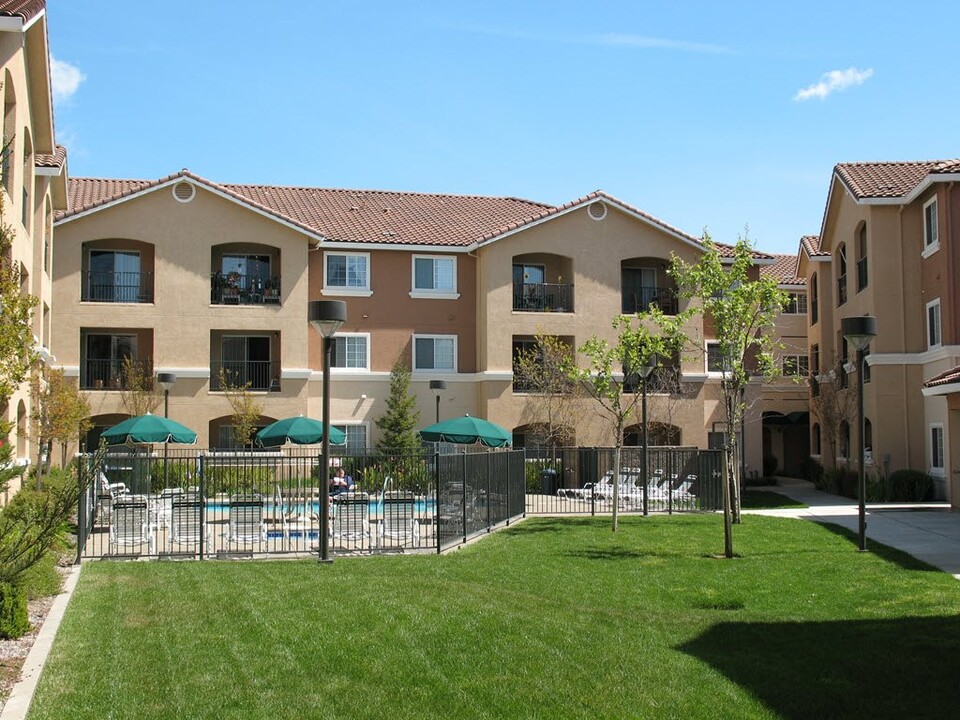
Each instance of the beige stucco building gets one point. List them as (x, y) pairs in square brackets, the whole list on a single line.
[(34, 185), (188, 276)]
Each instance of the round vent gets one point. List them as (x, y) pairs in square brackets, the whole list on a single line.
[(184, 191), (597, 210)]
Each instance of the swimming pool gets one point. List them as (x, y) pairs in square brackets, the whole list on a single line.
[(420, 507)]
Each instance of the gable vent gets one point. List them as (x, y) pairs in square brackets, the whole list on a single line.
[(184, 191), (597, 210)]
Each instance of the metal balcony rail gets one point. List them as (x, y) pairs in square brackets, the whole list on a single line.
[(260, 375), (236, 289), (117, 287), (110, 375), (543, 297), (641, 300)]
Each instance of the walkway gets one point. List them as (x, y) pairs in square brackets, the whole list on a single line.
[(929, 531)]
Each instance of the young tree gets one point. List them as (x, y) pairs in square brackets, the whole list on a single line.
[(60, 413), (139, 393), (742, 312), (833, 404), (544, 371), (640, 340), (245, 408), (398, 425)]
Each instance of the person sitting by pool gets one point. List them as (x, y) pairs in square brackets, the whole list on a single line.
[(341, 483)]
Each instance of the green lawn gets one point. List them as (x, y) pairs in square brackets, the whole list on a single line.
[(552, 618)]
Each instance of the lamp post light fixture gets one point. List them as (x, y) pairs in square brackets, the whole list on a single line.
[(859, 331), (166, 380), (645, 370), (438, 386), (326, 316)]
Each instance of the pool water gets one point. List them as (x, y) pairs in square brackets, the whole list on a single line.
[(420, 507)]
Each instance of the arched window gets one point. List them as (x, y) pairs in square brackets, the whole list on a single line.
[(844, 450), (815, 444), (868, 441), (861, 256), (814, 300), (9, 131), (841, 261), (25, 207)]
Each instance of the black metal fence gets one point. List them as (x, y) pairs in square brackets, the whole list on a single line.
[(580, 480), (186, 503)]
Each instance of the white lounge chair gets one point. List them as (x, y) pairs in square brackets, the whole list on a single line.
[(245, 521), (351, 517), (186, 526), (130, 525), (398, 522)]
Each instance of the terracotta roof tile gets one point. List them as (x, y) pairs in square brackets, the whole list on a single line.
[(25, 9), (944, 378), (886, 179), (55, 161), (811, 244), (784, 270)]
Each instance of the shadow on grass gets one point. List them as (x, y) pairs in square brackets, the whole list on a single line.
[(901, 668), (892, 555), (765, 499), (610, 554), (551, 524)]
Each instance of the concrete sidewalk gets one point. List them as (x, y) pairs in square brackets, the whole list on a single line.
[(928, 531)]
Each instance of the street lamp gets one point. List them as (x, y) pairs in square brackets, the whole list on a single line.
[(859, 331), (438, 386), (326, 316), (166, 381), (648, 367)]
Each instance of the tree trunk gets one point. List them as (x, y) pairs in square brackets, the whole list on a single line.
[(616, 486), (727, 517)]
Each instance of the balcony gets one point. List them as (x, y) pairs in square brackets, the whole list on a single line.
[(117, 287), (256, 375), (542, 297), (643, 298), (237, 289), (112, 375)]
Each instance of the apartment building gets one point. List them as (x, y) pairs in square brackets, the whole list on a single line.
[(189, 276), (886, 248), (34, 183)]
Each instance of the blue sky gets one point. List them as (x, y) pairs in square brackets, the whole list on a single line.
[(716, 114)]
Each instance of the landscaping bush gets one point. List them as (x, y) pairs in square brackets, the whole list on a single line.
[(234, 480), (770, 464), (910, 486), (14, 622), (812, 471), (839, 481)]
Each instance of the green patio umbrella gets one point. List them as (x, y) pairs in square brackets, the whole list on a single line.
[(299, 430), (468, 430), (148, 429)]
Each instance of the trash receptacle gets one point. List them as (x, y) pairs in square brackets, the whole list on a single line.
[(548, 481)]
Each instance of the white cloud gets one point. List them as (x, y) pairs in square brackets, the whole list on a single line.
[(645, 41), (834, 80), (64, 79)]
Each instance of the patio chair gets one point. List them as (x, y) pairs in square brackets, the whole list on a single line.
[(107, 494), (130, 526), (351, 517), (398, 522), (245, 521), (186, 526)]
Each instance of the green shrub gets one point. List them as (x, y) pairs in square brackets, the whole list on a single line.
[(910, 486), (839, 481), (770, 464), (42, 580), (14, 622), (812, 471), (238, 480)]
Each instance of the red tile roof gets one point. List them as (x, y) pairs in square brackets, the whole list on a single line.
[(944, 378), (890, 179), (25, 9), (55, 161), (811, 244), (784, 270)]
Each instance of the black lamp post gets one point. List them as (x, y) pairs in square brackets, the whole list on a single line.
[(438, 386), (166, 381), (859, 331), (648, 367), (326, 316)]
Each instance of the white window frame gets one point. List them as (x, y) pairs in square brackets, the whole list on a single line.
[(936, 429), (366, 367), (706, 361), (430, 293), (801, 363), (939, 328), (435, 369), (931, 232), (366, 438), (348, 291), (796, 298)]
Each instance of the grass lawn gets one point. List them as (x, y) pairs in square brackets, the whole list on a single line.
[(767, 499), (552, 618)]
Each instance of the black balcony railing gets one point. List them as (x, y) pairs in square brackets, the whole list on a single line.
[(117, 287), (642, 299), (237, 289), (542, 297), (111, 375), (261, 375)]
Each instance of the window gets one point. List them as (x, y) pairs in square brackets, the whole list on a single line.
[(814, 300), (841, 260), (796, 366), (796, 304), (638, 287), (228, 439), (434, 276), (814, 370), (435, 352), (716, 363), (862, 257), (246, 360), (356, 440), (815, 445), (248, 273), (844, 361), (114, 276), (346, 274), (351, 351), (104, 358), (931, 231), (866, 365), (936, 449), (844, 450), (867, 442), (933, 324)]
